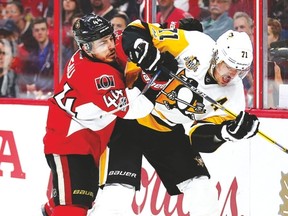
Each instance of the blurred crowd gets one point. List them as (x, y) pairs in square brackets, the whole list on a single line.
[(27, 50), (27, 34)]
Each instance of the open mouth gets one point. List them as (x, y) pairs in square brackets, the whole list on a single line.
[(225, 80), (112, 55)]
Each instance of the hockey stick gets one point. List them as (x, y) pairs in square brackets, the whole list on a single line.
[(150, 83), (218, 105)]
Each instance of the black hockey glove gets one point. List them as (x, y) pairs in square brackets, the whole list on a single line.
[(243, 127), (168, 61), (190, 24), (146, 56)]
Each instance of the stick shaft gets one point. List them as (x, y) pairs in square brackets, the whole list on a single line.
[(151, 81)]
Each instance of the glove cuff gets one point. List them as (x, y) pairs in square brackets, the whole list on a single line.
[(226, 135)]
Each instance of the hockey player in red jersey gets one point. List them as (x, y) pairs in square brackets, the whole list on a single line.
[(215, 68), (82, 114)]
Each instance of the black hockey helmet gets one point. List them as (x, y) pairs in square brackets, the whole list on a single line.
[(91, 27)]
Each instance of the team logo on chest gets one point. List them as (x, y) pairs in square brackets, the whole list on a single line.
[(192, 63), (177, 96), (105, 82)]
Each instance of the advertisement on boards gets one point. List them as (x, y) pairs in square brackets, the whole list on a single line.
[(251, 176)]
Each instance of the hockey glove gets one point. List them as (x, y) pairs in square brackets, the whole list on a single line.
[(190, 24), (168, 61), (243, 127), (149, 58), (145, 55)]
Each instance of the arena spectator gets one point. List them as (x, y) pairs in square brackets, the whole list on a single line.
[(103, 8), (37, 77), (218, 22), (278, 9), (15, 11), (69, 8), (7, 75), (120, 21), (8, 36), (244, 23), (168, 13), (8, 30), (277, 66)]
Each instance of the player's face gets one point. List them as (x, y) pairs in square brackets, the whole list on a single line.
[(104, 49), (223, 73)]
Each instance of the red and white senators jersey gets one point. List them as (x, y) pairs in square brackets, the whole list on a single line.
[(86, 103), (193, 51)]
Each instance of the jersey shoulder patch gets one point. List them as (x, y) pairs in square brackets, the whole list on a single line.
[(192, 63), (105, 82)]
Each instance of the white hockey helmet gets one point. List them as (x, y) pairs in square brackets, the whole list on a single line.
[(235, 49)]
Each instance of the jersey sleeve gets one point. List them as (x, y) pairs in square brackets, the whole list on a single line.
[(205, 134)]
